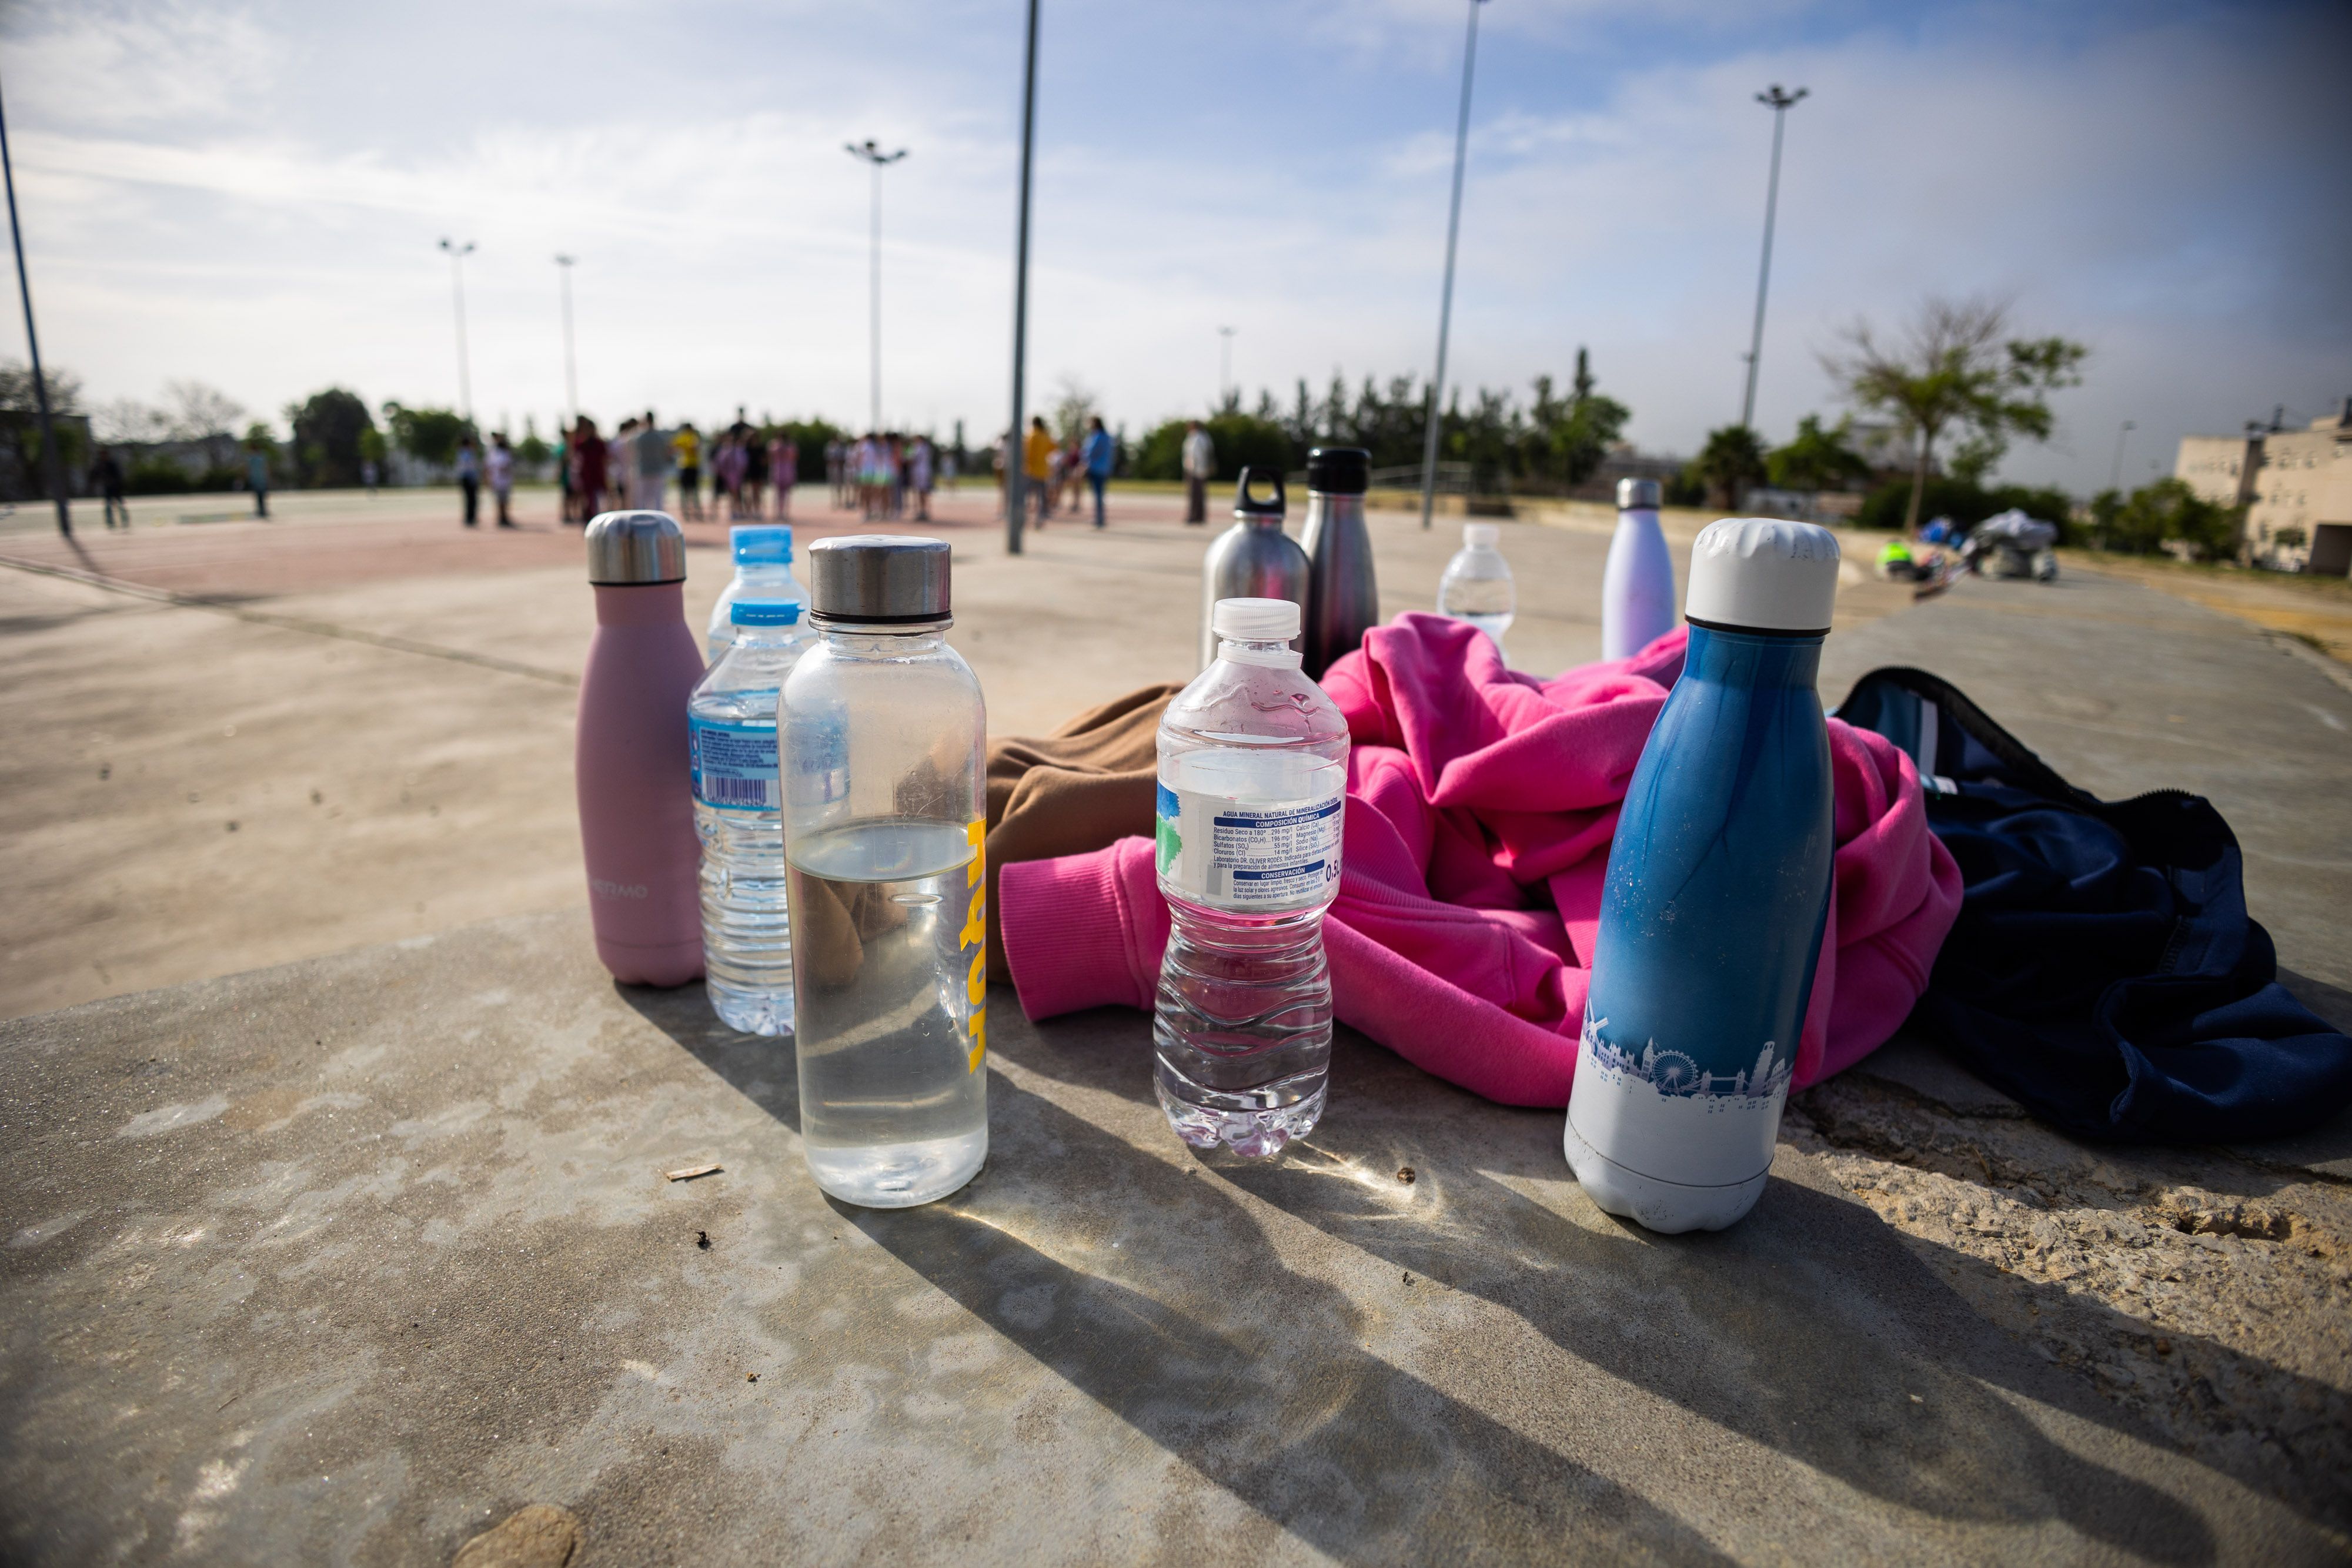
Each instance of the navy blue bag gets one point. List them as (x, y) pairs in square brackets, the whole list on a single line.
[(2103, 972)]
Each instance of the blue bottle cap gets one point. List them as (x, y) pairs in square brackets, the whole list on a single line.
[(765, 612), (762, 544)]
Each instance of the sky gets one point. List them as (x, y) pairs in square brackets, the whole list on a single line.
[(252, 196)]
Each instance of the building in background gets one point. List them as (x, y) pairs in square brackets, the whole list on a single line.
[(2295, 487), (2221, 468)]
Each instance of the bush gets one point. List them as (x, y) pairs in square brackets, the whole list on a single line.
[(1241, 440), (2162, 513), (1968, 505), (161, 476)]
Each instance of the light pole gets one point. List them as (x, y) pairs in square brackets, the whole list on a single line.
[(1015, 499), (874, 155), (2115, 480), (570, 370), (457, 254), (49, 455), (1780, 102), (1445, 302), (1225, 363)]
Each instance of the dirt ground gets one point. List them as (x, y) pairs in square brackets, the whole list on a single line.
[(235, 743)]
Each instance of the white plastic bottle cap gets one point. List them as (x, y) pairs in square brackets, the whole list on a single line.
[(1256, 620), (1479, 535), (1763, 574)]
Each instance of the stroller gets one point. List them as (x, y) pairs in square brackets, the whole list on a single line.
[(2011, 544)]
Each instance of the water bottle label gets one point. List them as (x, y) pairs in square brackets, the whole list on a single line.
[(1265, 855), (1654, 1110), (734, 765)]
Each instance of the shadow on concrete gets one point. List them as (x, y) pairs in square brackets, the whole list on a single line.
[(763, 1070), (1809, 1327), (1256, 1378)]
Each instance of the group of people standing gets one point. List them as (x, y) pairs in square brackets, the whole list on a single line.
[(1053, 470), (875, 472), (496, 465), (633, 465)]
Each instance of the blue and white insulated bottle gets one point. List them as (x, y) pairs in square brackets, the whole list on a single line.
[(1717, 891)]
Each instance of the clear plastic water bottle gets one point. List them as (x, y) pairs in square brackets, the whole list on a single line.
[(1477, 586), (763, 570), (1253, 792), (738, 815), (884, 744)]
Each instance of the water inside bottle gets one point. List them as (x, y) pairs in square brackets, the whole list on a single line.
[(1242, 1022), (894, 1103), (747, 933)]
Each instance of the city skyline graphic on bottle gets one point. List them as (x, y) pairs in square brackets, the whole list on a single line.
[(1715, 898)]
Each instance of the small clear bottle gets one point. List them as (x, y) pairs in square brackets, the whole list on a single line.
[(763, 570), (1477, 586), (884, 749), (1253, 793), (747, 933)]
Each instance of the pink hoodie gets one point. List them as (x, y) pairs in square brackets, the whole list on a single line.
[(1480, 807)]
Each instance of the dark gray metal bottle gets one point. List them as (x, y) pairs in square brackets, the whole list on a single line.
[(1252, 559), (1343, 598)]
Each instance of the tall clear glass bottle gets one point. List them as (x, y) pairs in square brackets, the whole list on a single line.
[(883, 757)]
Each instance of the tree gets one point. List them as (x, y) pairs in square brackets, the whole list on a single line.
[(16, 388), (1072, 408), (327, 428), (532, 448), (2165, 512), (207, 414), (428, 435), (1817, 459), (1732, 461), (1571, 438), (1955, 369), (127, 419)]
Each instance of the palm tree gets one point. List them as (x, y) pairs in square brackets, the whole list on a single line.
[(1732, 461)]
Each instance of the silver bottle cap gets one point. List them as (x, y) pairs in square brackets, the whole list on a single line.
[(635, 547), (1633, 493), (879, 580)]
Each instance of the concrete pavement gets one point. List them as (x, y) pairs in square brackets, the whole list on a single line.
[(349, 1259)]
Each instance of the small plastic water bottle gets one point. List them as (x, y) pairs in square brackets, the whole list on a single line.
[(1253, 792), (885, 743), (763, 570), (1637, 586), (1716, 897), (739, 814), (1477, 586)]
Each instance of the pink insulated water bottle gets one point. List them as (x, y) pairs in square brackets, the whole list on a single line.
[(636, 799)]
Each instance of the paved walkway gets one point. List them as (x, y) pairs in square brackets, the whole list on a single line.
[(349, 1259), (240, 743)]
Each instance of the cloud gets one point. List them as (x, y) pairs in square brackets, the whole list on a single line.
[(252, 196)]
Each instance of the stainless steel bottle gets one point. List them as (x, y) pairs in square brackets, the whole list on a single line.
[(1343, 599), (1252, 559)]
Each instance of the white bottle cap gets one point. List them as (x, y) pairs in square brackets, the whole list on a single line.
[(1256, 620), (1480, 535), (1763, 573)]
